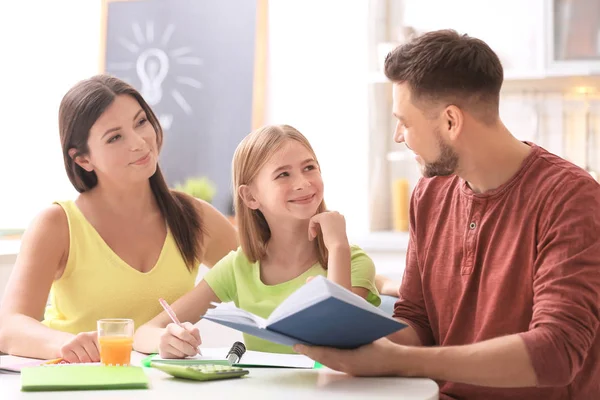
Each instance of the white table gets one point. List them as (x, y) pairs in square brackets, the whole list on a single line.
[(261, 383)]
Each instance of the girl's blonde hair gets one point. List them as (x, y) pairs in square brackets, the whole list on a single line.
[(250, 156)]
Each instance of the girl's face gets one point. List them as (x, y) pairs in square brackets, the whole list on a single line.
[(122, 144), (288, 186)]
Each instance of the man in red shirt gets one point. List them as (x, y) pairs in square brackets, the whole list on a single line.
[(501, 289)]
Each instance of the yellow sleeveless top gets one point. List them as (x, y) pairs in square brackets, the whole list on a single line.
[(97, 283)]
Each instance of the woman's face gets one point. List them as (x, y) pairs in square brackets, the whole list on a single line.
[(122, 144)]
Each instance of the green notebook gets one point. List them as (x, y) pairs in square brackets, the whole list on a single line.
[(82, 377)]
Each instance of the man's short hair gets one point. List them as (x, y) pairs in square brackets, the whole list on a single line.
[(446, 68)]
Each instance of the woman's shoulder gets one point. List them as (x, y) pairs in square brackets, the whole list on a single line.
[(53, 217), (221, 236), (203, 209), (48, 230)]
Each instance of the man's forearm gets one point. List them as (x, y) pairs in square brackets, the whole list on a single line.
[(499, 362), (406, 337)]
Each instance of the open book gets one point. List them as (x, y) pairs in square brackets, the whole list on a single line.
[(319, 313)]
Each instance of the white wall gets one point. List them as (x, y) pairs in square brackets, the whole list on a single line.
[(318, 68), (47, 46), (512, 28), (318, 61)]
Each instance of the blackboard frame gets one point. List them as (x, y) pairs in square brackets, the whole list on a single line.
[(258, 85), (260, 56)]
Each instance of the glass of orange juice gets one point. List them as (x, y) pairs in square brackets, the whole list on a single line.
[(115, 338)]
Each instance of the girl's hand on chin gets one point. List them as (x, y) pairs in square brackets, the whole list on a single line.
[(333, 226)]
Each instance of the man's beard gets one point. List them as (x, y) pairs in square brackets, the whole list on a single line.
[(446, 163)]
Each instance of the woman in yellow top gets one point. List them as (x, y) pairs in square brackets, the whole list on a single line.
[(287, 236), (126, 241)]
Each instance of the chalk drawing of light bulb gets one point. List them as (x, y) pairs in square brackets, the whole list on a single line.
[(153, 59), (152, 67)]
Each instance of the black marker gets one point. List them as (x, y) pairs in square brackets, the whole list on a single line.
[(235, 354)]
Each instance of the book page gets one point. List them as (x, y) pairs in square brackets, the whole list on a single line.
[(315, 291), (197, 359), (335, 290), (228, 311), (261, 359), (209, 354), (307, 295)]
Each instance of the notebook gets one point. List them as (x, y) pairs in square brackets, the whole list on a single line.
[(16, 368), (249, 359), (82, 377), (320, 312)]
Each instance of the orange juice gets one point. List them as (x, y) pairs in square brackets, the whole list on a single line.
[(115, 350)]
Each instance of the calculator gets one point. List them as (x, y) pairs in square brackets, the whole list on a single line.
[(200, 372)]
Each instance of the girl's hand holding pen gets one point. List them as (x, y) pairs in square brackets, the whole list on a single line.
[(179, 341)]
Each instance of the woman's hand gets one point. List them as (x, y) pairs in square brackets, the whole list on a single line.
[(81, 348)]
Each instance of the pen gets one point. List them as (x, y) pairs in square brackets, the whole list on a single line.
[(235, 354), (169, 311), (54, 361), (172, 315)]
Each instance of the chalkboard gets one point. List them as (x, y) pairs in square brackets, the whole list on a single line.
[(196, 62)]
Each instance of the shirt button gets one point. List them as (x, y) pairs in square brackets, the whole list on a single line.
[(472, 225)]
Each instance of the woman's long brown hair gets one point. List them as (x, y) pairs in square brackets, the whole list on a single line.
[(79, 109)]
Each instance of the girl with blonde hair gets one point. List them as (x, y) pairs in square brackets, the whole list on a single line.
[(287, 236)]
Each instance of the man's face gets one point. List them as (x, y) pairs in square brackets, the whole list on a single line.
[(422, 135)]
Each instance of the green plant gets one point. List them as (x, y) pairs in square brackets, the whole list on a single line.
[(201, 188)]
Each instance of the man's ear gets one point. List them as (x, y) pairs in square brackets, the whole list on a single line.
[(82, 161), (247, 197), (454, 120)]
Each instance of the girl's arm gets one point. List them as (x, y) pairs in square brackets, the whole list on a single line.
[(162, 336), (44, 250), (339, 268), (333, 228)]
